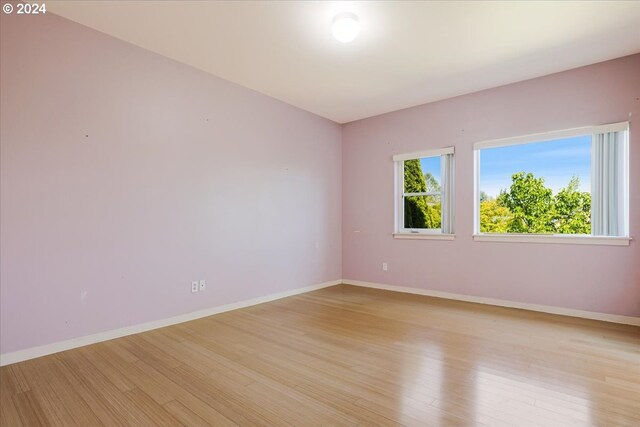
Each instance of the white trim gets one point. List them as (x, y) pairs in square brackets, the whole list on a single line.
[(448, 193), (33, 352), (424, 236), (625, 181), (398, 198), (432, 193), (429, 231), (400, 195), (421, 154), (546, 136), (553, 238), (476, 190), (614, 318), (43, 350)]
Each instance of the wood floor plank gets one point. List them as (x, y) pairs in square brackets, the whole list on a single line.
[(159, 415), (104, 411), (60, 402), (8, 411), (185, 415), (29, 411), (118, 402), (106, 361), (341, 356), (17, 378)]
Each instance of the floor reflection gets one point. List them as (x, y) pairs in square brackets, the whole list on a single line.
[(514, 398)]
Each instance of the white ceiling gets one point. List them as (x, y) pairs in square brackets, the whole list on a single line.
[(408, 53)]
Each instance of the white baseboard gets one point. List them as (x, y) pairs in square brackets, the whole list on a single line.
[(32, 353), (43, 350), (615, 318)]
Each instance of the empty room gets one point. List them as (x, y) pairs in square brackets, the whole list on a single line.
[(319, 213)]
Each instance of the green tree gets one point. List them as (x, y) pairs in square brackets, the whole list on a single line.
[(432, 184), (483, 196), (434, 204), (434, 214), (420, 211), (572, 209), (494, 218), (530, 203), (415, 208)]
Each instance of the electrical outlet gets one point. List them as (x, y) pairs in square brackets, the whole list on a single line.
[(194, 286), (385, 267), (203, 284)]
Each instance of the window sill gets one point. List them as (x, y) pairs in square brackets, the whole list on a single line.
[(552, 238), (424, 236)]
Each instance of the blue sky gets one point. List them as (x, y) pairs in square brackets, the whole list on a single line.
[(555, 161), (432, 165)]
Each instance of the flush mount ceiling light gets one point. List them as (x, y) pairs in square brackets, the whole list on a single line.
[(345, 27)]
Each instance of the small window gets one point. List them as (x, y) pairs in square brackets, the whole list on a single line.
[(424, 199), (566, 183)]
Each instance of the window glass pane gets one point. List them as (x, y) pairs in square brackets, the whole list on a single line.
[(422, 212), (422, 175), (431, 169), (542, 187)]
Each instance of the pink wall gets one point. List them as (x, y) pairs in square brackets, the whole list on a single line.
[(596, 278), (126, 175)]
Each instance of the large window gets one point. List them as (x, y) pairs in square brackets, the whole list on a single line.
[(571, 183), (424, 194)]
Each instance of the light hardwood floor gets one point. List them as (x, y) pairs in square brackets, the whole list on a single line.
[(342, 356)]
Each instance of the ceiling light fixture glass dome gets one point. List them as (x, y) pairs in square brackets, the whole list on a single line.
[(345, 27)]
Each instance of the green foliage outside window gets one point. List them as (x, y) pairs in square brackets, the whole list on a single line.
[(421, 211), (572, 213), (494, 218), (530, 207)]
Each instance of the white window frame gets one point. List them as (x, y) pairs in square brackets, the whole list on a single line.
[(399, 196), (553, 238)]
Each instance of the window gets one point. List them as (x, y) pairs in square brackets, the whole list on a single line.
[(424, 194), (560, 186)]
